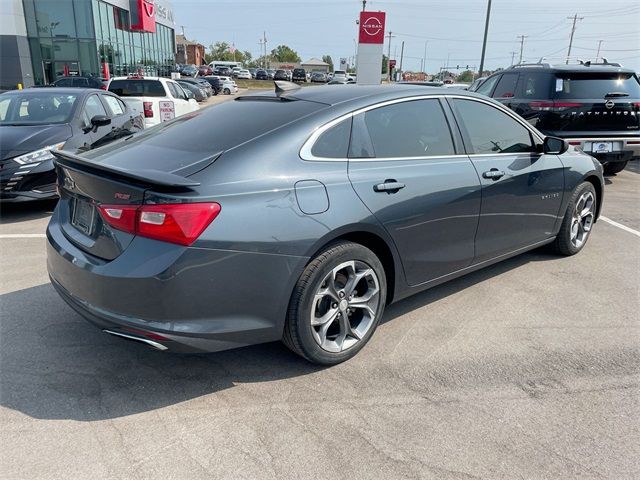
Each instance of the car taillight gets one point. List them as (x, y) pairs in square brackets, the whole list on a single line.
[(148, 109), (103, 87), (553, 106), (636, 104), (180, 223)]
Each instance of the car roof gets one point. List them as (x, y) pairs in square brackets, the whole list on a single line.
[(74, 90), (594, 67), (361, 93)]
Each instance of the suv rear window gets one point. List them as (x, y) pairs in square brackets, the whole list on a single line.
[(596, 85), (298, 71), (137, 88)]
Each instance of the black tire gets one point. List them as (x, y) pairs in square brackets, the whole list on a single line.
[(615, 167), (563, 244), (227, 91), (298, 335)]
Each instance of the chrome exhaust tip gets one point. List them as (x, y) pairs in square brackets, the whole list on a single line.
[(151, 343)]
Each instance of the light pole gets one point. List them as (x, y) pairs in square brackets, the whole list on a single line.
[(573, 30), (389, 36), (521, 37), (486, 33)]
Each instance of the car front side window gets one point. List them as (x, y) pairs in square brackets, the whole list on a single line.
[(491, 131)]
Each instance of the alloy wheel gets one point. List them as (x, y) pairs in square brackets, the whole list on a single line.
[(582, 219), (345, 306)]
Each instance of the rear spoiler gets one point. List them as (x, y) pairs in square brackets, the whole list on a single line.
[(146, 177)]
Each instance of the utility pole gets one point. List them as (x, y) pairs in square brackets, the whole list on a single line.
[(401, 56), (521, 37), (424, 58), (389, 36), (264, 43), (364, 5), (513, 55), (573, 30), (598, 54), (182, 27), (486, 33)]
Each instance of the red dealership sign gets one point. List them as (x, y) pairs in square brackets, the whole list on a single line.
[(143, 15), (372, 27)]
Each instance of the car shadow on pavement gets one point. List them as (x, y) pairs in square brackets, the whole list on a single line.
[(25, 211), (54, 365)]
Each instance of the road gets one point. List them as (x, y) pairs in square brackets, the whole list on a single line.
[(527, 369)]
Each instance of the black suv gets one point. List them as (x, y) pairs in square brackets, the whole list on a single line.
[(594, 106), (299, 75), (81, 82)]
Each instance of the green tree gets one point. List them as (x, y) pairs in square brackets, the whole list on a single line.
[(283, 53), (466, 76), (223, 51), (385, 62), (329, 60)]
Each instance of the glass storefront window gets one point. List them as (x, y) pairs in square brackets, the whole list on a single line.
[(55, 18), (83, 18)]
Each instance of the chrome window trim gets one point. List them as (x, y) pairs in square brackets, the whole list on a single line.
[(305, 151)]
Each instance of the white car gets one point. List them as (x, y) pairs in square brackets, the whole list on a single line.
[(229, 86), (162, 99), (340, 75), (244, 74)]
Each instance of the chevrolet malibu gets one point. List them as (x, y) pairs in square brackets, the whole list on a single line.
[(219, 230)]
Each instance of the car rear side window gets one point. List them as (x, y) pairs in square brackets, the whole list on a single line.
[(334, 142), (534, 85), (487, 86), (490, 131), (137, 88), (416, 128), (506, 86), (578, 85)]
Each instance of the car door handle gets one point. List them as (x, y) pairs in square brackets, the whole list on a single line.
[(493, 174), (389, 186)]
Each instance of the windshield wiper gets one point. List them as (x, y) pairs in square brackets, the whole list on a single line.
[(616, 94)]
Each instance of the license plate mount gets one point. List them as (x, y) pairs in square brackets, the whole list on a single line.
[(602, 147), (83, 216)]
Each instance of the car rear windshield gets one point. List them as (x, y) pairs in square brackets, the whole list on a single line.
[(298, 70), (198, 135), (137, 88), (596, 85)]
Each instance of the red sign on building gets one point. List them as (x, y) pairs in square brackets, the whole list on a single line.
[(143, 15), (372, 27)]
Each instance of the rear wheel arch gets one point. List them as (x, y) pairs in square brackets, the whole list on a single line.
[(374, 242)]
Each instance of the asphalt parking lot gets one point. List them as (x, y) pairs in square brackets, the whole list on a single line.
[(527, 369)]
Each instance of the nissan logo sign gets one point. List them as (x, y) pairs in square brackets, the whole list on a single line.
[(610, 104), (372, 26)]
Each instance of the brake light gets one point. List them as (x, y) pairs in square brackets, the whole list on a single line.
[(148, 109), (553, 106), (636, 104), (103, 87), (180, 223), (575, 143)]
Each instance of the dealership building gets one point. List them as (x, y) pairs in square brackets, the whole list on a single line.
[(43, 40)]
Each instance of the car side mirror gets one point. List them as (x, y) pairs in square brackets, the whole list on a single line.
[(554, 146), (100, 121)]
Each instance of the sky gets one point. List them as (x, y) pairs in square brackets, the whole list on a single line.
[(452, 29)]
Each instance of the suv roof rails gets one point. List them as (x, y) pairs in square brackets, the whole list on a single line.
[(538, 64)]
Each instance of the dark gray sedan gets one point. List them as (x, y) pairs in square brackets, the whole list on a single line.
[(219, 230)]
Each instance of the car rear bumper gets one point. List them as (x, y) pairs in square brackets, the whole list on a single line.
[(184, 299), (625, 148)]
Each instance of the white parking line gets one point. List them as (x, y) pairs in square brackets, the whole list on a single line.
[(619, 225), (22, 235)]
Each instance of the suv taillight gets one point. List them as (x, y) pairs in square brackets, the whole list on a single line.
[(180, 223), (148, 109), (553, 106)]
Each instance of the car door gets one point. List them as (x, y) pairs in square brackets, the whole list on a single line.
[(93, 137), (506, 88), (404, 165), (521, 188)]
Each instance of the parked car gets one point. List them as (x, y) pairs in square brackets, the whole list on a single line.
[(215, 83), (299, 75), (319, 77), (340, 74), (235, 71), (229, 87), (476, 84), (200, 82), (457, 86), (253, 71), (271, 72), (204, 70), (222, 71), (281, 75), (36, 120), (81, 82), (262, 75), (593, 106), (244, 74), (196, 92), (341, 81), (189, 71), (162, 99), (373, 194)]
